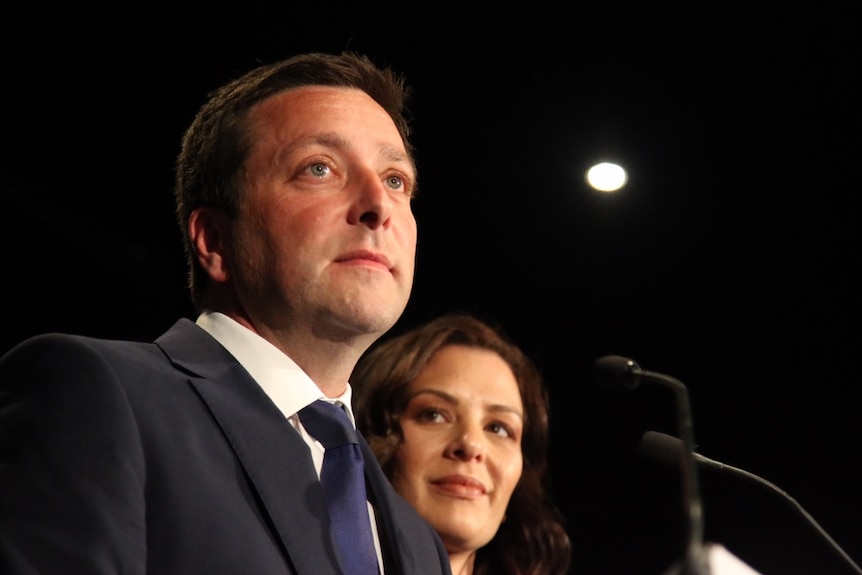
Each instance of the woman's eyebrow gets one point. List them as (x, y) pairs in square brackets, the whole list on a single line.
[(436, 392)]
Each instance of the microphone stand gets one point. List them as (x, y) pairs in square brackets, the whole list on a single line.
[(695, 560), (667, 449), (620, 372)]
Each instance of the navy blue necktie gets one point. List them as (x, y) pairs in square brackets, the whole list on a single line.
[(343, 481)]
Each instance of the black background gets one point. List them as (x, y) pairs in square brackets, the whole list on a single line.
[(730, 261)]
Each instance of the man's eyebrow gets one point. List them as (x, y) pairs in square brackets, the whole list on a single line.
[(335, 140), (394, 154), (328, 139)]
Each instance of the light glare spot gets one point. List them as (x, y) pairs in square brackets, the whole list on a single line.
[(606, 177)]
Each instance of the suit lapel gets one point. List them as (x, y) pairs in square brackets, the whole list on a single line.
[(273, 455), (397, 546)]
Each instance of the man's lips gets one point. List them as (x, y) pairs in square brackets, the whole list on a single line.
[(365, 257), (460, 485)]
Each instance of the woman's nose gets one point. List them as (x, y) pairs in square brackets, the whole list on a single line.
[(467, 444)]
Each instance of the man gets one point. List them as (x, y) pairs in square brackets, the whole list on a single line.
[(186, 455)]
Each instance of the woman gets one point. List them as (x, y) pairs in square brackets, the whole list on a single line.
[(457, 415)]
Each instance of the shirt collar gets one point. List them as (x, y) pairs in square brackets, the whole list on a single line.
[(278, 375)]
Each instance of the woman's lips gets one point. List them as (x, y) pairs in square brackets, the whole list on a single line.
[(459, 485)]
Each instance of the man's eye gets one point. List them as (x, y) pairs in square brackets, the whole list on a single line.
[(395, 182), (319, 169)]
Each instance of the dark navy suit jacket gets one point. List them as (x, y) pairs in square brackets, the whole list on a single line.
[(167, 458)]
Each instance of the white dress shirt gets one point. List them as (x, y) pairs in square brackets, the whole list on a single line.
[(281, 379)]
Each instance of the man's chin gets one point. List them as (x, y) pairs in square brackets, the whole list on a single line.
[(365, 322)]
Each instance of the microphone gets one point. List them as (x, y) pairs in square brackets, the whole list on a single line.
[(622, 374), (667, 449)]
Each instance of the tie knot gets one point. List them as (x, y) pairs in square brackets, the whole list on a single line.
[(328, 424)]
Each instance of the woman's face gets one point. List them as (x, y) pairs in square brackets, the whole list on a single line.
[(461, 457)]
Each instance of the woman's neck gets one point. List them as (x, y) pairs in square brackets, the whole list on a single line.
[(462, 562)]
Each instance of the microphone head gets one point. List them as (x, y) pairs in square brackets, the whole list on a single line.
[(660, 447), (666, 449), (617, 373)]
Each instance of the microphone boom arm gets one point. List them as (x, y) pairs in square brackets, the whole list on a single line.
[(695, 563), (667, 449), (620, 373)]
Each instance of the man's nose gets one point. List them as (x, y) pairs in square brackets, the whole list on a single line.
[(373, 204)]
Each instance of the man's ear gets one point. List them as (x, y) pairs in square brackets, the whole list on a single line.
[(209, 231)]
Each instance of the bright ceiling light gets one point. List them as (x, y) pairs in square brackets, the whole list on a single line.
[(606, 177)]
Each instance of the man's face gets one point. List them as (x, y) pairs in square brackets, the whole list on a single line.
[(325, 240)]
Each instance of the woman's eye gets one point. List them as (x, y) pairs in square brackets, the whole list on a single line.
[(319, 169), (500, 429), (430, 415)]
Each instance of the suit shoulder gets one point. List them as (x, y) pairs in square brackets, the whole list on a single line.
[(56, 349)]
